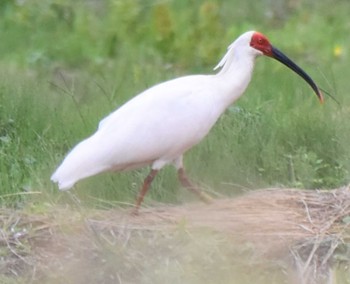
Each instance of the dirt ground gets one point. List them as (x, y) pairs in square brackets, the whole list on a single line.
[(264, 236)]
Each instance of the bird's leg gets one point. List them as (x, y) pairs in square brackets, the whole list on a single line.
[(146, 184), (185, 182)]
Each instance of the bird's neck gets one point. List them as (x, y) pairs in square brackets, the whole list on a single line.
[(235, 76)]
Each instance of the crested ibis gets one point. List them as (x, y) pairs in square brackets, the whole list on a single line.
[(160, 124)]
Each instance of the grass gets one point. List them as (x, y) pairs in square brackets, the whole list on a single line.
[(64, 65), (59, 80)]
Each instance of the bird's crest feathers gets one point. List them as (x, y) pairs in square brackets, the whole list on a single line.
[(244, 39), (224, 59)]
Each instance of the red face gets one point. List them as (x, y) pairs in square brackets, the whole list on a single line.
[(261, 43)]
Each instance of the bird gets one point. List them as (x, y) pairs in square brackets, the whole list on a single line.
[(158, 126)]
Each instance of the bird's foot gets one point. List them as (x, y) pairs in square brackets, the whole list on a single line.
[(135, 212)]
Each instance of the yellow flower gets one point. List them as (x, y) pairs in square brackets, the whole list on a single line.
[(337, 51)]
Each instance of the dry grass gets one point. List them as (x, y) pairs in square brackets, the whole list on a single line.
[(266, 236)]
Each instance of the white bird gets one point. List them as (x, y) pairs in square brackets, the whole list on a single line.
[(160, 124)]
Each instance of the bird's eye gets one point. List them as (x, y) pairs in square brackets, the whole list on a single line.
[(260, 41)]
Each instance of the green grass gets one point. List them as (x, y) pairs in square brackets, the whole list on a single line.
[(66, 65)]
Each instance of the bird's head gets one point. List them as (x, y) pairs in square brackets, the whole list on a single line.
[(260, 43)]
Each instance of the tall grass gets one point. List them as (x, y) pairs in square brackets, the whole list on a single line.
[(65, 65)]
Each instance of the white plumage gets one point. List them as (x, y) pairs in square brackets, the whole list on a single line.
[(160, 124)]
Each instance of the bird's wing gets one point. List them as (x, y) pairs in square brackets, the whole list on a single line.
[(162, 121), (159, 124)]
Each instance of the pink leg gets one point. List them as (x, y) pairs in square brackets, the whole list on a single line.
[(145, 187), (185, 182)]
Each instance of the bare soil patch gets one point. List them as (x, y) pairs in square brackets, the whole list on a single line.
[(291, 235)]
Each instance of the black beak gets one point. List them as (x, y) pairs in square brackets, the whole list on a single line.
[(278, 55)]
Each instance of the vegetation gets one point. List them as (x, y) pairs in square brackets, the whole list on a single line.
[(66, 64)]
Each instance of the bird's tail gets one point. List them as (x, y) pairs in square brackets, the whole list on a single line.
[(80, 163)]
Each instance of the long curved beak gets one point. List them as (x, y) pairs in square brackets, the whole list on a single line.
[(278, 55)]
